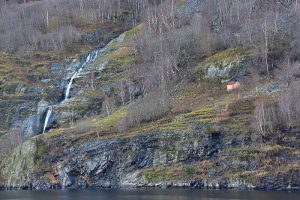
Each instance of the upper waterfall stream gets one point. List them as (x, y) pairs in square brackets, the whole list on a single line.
[(90, 58)]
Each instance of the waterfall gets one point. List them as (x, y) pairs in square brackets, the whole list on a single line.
[(70, 85), (49, 112), (90, 58)]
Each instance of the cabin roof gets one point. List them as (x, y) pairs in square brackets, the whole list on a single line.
[(232, 82)]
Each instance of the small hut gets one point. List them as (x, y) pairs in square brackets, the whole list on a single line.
[(233, 85)]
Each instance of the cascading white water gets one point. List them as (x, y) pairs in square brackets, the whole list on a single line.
[(89, 58), (70, 85), (48, 115)]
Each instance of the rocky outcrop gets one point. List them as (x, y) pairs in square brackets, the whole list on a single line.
[(34, 124), (152, 159), (18, 164), (189, 9), (228, 64)]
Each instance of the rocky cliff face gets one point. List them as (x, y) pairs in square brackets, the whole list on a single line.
[(156, 158)]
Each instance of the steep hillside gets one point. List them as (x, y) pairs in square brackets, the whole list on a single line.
[(187, 98)]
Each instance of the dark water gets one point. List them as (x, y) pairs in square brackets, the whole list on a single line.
[(147, 194)]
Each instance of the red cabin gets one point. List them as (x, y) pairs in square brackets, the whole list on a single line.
[(233, 85)]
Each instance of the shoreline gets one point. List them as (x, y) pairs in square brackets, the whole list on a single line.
[(154, 186)]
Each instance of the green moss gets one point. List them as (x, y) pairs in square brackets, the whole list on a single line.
[(200, 75), (169, 173), (205, 114), (227, 56), (121, 57), (189, 170), (40, 70), (112, 119), (209, 115), (2, 132), (41, 148), (133, 32), (210, 129), (128, 37), (155, 175), (273, 150), (93, 94), (222, 61), (244, 149), (79, 106), (245, 156), (17, 163), (108, 124)]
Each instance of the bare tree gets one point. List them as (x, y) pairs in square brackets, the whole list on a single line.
[(108, 105), (285, 108), (265, 29), (289, 106), (265, 118), (47, 25), (152, 107)]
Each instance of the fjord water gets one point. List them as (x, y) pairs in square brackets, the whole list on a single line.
[(147, 194)]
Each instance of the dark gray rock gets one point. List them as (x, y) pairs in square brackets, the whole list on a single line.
[(33, 90), (31, 127), (190, 8), (45, 78), (32, 78), (120, 162), (275, 87), (94, 37), (136, 90), (56, 67), (34, 124), (295, 179)]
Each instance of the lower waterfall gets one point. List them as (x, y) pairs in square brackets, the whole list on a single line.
[(49, 112)]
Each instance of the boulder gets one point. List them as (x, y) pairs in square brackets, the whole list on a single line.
[(33, 90), (35, 123), (228, 64), (136, 90), (56, 67)]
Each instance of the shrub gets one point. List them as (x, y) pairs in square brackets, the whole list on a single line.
[(265, 118), (189, 170), (289, 107), (152, 107)]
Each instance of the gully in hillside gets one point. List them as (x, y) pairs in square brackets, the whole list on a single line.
[(90, 58)]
